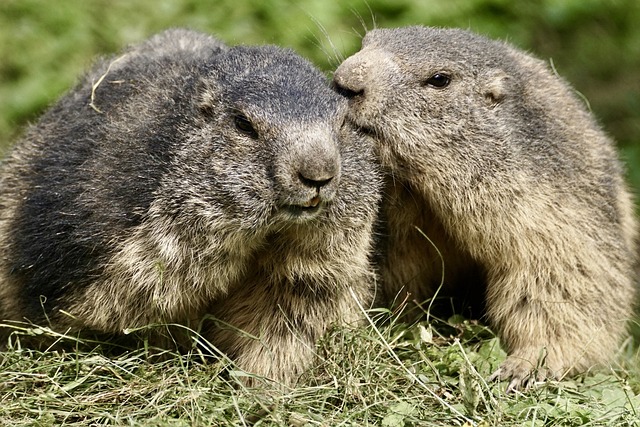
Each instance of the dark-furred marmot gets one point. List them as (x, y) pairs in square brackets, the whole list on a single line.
[(520, 193), (184, 179)]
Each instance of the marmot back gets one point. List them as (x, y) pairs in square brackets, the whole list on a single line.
[(494, 158), (184, 179)]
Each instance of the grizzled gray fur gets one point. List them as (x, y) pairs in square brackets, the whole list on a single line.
[(519, 192), (185, 179)]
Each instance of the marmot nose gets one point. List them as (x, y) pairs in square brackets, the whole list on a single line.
[(346, 91), (318, 164), (349, 78), (315, 182)]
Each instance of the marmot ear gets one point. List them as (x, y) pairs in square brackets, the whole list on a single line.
[(496, 87), (206, 98)]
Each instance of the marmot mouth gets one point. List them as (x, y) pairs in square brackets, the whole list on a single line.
[(367, 131), (361, 128), (305, 210), (298, 210)]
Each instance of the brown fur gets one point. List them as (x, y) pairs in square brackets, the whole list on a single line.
[(511, 179)]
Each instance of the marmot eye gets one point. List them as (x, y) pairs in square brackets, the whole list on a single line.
[(243, 124), (438, 81)]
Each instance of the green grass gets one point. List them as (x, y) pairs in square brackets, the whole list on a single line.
[(393, 375)]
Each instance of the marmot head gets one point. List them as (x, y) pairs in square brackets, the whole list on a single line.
[(449, 101), (264, 142)]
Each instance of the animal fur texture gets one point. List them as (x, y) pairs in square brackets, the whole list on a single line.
[(497, 172), (184, 179)]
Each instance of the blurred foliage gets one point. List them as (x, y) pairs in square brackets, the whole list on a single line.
[(595, 44)]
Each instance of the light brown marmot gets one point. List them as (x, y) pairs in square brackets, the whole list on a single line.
[(496, 160)]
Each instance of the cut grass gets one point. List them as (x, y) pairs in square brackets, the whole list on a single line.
[(386, 375)]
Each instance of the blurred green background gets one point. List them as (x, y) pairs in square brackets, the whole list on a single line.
[(45, 45)]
